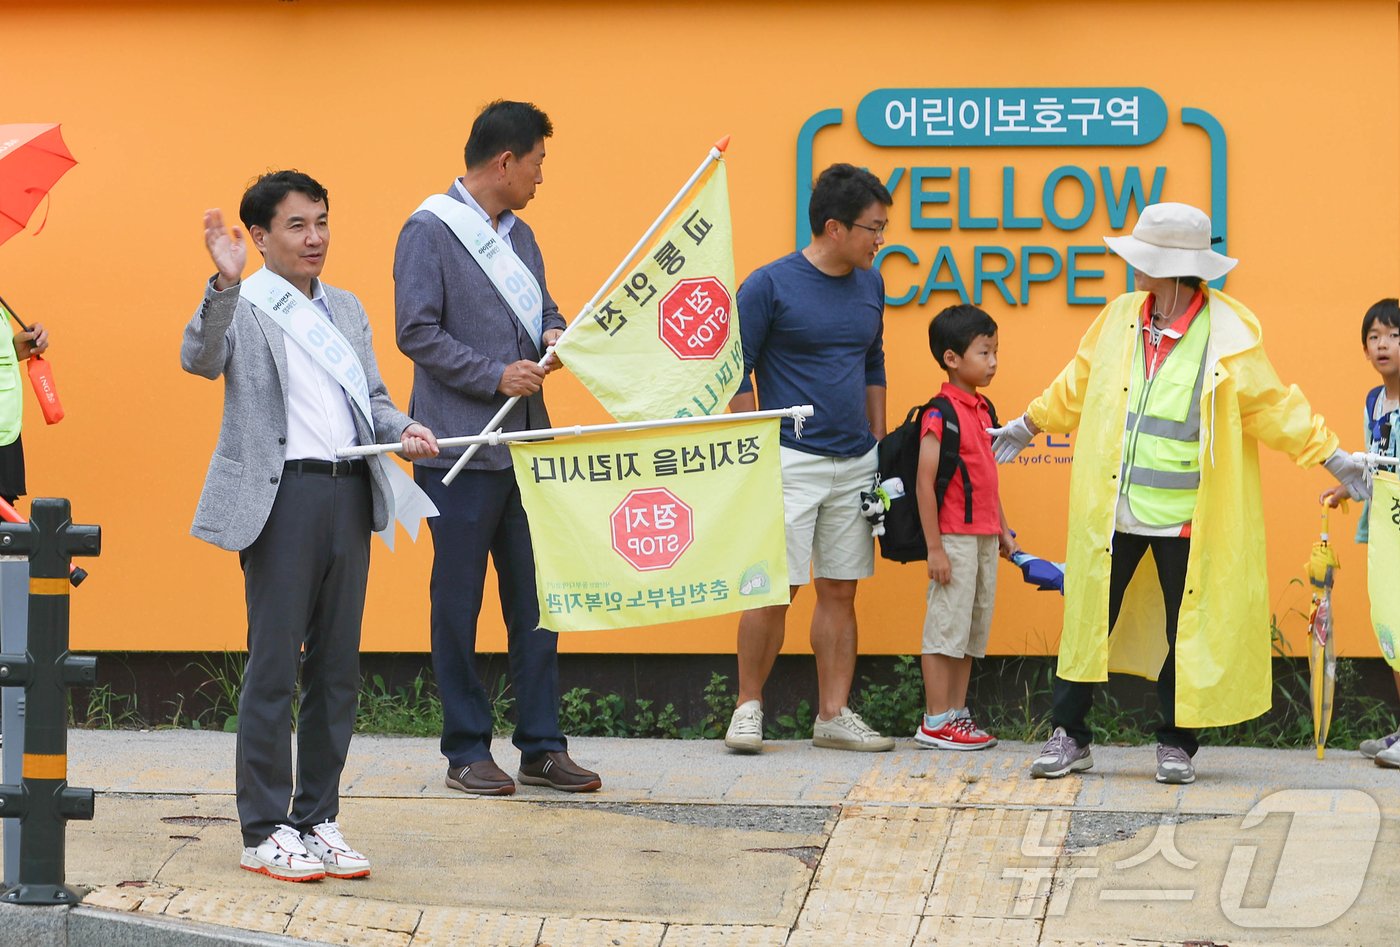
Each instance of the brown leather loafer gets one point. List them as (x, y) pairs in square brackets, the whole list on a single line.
[(557, 771), (484, 778)]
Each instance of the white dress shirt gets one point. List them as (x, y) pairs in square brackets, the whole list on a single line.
[(318, 410)]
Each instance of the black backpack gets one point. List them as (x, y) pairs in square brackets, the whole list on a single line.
[(898, 454)]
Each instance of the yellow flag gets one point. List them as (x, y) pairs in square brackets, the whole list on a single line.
[(665, 343), (1383, 564), (665, 525)]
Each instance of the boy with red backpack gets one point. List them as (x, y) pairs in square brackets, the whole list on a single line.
[(964, 525)]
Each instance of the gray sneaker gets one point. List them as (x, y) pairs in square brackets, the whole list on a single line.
[(1061, 756), (1369, 748), (1174, 765), (846, 731)]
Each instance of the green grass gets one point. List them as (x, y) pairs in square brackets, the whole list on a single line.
[(892, 704), (587, 714), (105, 710), (414, 710)]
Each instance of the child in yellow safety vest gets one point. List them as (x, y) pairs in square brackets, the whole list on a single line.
[(1380, 338)]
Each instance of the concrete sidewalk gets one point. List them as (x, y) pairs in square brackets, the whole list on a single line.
[(688, 844)]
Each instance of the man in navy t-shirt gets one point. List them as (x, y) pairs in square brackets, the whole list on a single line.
[(812, 323)]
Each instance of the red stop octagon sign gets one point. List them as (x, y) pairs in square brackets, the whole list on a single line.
[(695, 318), (651, 528)]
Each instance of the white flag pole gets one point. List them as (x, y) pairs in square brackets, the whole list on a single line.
[(797, 412), (716, 152), (1375, 460)]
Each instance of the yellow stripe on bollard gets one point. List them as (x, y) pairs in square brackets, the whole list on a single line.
[(46, 765), (48, 586)]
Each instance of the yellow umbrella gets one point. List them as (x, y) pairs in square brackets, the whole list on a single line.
[(1322, 658)]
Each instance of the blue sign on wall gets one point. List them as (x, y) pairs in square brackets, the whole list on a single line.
[(1011, 117)]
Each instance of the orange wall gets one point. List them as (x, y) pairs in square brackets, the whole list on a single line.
[(171, 108)]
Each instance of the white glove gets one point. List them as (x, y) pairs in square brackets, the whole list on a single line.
[(1350, 472), (1010, 440)]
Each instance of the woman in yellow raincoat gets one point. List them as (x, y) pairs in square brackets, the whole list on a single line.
[(1171, 393)]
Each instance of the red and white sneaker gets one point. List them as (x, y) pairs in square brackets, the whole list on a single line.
[(340, 860), (976, 730), (282, 856), (959, 733)]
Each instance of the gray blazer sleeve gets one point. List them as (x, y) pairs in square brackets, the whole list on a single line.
[(208, 342)]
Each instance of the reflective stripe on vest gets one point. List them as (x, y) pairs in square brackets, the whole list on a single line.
[(1161, 469)]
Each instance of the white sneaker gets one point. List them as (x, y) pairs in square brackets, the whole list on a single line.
[(1389, 757), (745, 732), (282, 856), (846, 731), (326, 843)]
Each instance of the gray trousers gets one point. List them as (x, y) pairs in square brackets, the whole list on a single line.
[(304, 580)]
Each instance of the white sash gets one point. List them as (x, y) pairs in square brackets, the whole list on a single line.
[(511, 277), (302, 322)]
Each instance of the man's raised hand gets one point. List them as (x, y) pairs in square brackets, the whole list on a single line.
[(226, 248)]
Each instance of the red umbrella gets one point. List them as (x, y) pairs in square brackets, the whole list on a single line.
[(32, 159)]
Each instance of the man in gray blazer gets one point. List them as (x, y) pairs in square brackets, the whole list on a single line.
[(471, 351), (299, 519)]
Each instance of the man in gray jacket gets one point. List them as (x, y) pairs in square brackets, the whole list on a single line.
[(299, 519), (474, 315)]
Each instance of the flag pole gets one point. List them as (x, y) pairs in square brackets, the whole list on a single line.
[(797, 412), (715, 153)]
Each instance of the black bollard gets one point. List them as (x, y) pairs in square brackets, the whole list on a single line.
[(43, 801)]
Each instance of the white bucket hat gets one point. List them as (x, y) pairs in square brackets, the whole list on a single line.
[(1172, 240)]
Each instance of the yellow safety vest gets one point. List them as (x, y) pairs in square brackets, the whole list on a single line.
[(1161, 469), (11, 391)]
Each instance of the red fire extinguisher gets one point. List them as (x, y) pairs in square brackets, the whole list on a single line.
[(40, 376)]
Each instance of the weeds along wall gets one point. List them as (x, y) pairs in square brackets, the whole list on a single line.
[(1012, 695), (1013, 135)]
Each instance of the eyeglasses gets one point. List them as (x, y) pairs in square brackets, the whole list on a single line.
[(877, 231)]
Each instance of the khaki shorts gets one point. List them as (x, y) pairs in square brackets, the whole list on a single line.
[(826, 533), (958, 621)]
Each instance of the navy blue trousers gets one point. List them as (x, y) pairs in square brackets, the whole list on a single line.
[(480, 514)]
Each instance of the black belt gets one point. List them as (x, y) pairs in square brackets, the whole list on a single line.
[(354, 467)]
